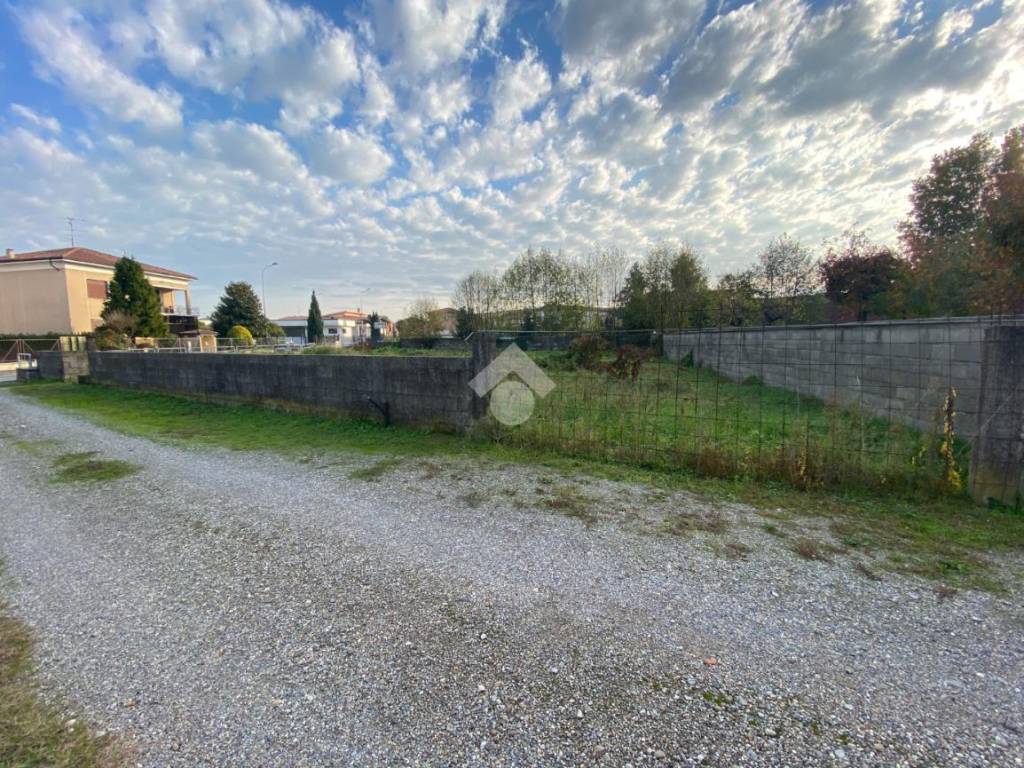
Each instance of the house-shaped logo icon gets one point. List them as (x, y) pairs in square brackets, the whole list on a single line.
[(512, 399)]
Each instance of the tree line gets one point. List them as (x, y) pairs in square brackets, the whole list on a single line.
[(960, 251)]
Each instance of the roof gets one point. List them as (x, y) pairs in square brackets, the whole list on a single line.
[(345, 314), (88, 256)]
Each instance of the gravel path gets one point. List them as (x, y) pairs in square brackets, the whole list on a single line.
[(220, 608)]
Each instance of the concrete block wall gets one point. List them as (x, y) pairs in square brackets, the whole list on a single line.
[(426, 391), (997, 461), (900, 370), (62, 366)]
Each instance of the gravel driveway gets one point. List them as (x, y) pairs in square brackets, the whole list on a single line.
[(220, 608)]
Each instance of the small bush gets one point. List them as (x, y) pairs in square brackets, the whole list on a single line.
[(586, 351), (108, 339), (628, 362), (240, 334)]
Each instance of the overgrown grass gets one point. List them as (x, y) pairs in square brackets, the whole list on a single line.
[(34, 733), (945, 538), (676, 415)]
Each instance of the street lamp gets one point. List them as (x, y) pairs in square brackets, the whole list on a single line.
[(263, 286)]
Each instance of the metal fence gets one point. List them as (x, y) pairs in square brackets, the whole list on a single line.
[(21, 352), (880, 404)]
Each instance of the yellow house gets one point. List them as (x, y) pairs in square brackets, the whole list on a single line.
[(63, 290)]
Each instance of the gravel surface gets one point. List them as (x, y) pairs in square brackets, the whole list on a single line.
[(224, 608)]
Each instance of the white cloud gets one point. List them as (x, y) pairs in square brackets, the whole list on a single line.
[(250, 147), (68, 56), (348, 157), (422, 35), (518, 86), (51, 124), (402, 139), (443, 102), (622, 40)]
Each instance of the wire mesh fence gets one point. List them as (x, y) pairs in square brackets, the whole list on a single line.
[(23, 351), (886, 404)]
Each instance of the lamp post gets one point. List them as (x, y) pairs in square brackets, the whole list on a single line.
[(263, 286)]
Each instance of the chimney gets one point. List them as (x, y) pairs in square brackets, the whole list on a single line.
[(10, 253)]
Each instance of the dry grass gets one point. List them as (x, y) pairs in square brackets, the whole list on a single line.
[(375, 471), (473, 499), (866, 571), (945, 592), (570, 501), (33, 733), (809, 549), (683, 524), (735, 550)]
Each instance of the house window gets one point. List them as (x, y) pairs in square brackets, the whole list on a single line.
[(96, 289), (332, 330)]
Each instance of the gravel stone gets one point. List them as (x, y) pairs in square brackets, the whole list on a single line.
[(220, 608)]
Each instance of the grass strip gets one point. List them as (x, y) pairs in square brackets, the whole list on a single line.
[(945, 538)]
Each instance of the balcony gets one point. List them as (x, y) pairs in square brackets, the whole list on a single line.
[(180, 311)]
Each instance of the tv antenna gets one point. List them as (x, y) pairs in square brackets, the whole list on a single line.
[(71, 229)]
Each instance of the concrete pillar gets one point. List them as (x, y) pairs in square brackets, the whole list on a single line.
[(997, 459), (484, 345)]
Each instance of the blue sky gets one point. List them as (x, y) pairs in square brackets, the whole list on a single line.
[(379, 150)]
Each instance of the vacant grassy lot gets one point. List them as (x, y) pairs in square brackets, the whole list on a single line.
[(940, 537), (33, 733), (674, 415)]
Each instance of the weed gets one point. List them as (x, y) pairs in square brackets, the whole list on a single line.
[(682, 524), (736, 550), (569, 501), (375, 471), (774, 530), (809, 549), (945, 592), (85, 467), (473, 499), (865, 571), (718, 698)]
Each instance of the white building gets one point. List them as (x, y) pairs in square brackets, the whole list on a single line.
[(344, 328)]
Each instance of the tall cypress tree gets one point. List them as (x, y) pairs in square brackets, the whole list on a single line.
[(314, 321), (130, 293)]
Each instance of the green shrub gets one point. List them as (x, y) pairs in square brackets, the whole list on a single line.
[(108, 339), (241, 334), (586, 351)]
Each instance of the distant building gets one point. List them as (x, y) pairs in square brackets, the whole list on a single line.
[(344, 328), (63, 291)]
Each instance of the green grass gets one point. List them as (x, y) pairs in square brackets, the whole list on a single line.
[(33, 733), (84, 466), (944, 537), (674, 415)]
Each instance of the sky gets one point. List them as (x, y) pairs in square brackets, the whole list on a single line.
[(379, 150)]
